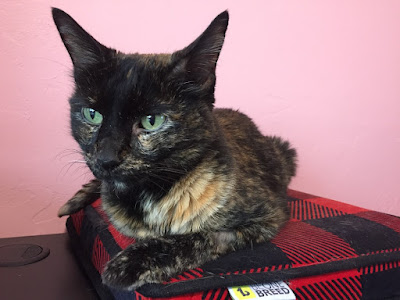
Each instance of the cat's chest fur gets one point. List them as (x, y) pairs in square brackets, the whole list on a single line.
[(191, 205)]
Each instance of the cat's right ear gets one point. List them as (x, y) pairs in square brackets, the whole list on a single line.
[(83, 49)]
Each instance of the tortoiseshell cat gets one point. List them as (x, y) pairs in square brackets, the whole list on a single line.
[(188, 181)]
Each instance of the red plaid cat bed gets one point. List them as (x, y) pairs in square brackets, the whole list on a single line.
[(328, 250)]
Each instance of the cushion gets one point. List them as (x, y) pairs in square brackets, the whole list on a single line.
[(327, 250)]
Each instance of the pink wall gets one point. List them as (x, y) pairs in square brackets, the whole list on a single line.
[(322, 74)]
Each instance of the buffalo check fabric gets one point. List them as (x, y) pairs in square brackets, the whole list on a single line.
[(327, 250)]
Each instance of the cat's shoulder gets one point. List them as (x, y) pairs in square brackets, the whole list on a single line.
[(229, 114), (230, 119)]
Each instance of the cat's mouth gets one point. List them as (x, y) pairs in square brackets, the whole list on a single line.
[(117, 175), (103, 174), (106, 174)]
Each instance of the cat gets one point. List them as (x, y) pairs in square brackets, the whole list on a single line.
[(189, 182)]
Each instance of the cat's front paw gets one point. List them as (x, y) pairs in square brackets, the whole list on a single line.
[(122, 272), (134, 267), (84, 197), (65, 210)]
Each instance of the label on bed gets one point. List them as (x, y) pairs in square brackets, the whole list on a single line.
[(274, 290)]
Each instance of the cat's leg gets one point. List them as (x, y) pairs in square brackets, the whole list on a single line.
[(158, 259), (84, 197)]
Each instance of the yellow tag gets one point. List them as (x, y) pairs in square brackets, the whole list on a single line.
[(243, 292), (264, 291)]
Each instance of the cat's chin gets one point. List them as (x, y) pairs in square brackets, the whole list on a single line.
[(118, 186)]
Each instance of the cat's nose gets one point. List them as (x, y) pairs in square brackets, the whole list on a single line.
[(108, 159)]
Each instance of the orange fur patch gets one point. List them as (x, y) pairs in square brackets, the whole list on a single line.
[(189, 204)]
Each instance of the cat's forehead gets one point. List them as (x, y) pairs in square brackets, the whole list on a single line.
[(153, 60), (140, 71), (136, 62), (132, 80)]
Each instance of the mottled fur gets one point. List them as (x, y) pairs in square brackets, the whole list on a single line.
[(205, 183)]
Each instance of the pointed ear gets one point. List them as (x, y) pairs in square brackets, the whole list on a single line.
[(199, 59), (84, 50)]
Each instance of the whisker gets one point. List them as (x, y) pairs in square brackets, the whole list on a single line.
[(168, 170), (68, 152), (78, 161)]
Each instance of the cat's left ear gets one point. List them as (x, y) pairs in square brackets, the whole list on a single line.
[(198, 60)]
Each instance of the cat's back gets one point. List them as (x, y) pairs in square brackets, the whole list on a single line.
[(255, 155), (245, 141), (236, 126)]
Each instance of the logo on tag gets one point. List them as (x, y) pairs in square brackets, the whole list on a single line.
[(274, 290)]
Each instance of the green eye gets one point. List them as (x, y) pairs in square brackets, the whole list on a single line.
[(152, 122), (91, 116)]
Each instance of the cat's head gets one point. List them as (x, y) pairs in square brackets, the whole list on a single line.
[(139, 116)]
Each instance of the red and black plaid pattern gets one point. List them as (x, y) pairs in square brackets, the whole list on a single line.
[(328, 250)]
